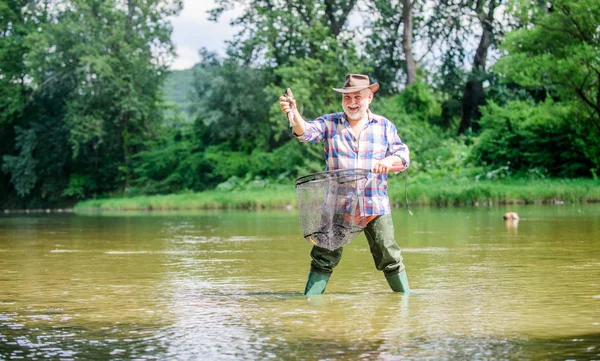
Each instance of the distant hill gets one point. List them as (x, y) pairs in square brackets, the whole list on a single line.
[(177, 87)]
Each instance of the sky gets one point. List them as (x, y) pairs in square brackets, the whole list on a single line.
[(192, 30)]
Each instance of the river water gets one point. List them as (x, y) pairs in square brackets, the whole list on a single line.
[(228, 286)]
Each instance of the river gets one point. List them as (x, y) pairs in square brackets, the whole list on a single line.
[(228, 285)]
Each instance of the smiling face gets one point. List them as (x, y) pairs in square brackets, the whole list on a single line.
[(356, 104)]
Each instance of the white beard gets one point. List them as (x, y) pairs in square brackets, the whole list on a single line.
[(356, 115)]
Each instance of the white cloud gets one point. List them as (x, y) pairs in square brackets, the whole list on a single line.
[(192, 30)]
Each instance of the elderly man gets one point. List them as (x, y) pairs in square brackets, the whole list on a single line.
[(357, 138)]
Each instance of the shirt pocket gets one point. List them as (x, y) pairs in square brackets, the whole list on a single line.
[(342, 145), (379, 149)]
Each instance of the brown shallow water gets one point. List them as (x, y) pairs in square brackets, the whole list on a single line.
[(227, 286)]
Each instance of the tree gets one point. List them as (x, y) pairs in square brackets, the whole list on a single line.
[(452, 23), (390, 42), (94, 70), (14, 27), (31, 138), (274, 32), (474, 96), (229, 101), (122, 66), (16, 22), (559, 51), (304, 45)]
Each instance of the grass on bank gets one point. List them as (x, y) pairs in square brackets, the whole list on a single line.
[(454, 193), (435, 193), (275, 197)]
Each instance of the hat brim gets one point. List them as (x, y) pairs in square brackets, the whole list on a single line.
[(355, 89)]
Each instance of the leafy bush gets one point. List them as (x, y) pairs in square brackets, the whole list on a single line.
[(531, 139)]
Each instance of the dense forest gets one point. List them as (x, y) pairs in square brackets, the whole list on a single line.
[(480, 90)]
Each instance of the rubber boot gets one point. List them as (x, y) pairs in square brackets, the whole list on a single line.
[(316, 283), (398, 282)]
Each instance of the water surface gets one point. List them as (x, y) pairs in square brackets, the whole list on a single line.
[(227, 286)]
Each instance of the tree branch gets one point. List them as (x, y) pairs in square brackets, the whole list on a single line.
[(567, 12), (336, 24), (304, 14), (563, 30), (579, 91)]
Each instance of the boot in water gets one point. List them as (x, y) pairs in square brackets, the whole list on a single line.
[(398, 282), (316, 283)]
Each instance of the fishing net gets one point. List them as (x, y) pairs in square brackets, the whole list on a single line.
[(331, 206)]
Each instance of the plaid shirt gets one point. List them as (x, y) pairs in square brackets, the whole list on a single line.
[(377, 140)]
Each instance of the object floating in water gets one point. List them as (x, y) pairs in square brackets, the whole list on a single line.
[(510, 216)]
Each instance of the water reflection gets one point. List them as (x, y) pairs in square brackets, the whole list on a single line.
[(512, 225), (227, 286)]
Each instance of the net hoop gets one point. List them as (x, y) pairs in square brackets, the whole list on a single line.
[(340, 175)]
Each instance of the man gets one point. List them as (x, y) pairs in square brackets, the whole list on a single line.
[(357, 138)]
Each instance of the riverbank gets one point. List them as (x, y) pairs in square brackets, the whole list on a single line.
[(434, 193)]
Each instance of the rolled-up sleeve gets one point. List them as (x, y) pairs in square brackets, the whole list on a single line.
[(314, 132), (396, 147)]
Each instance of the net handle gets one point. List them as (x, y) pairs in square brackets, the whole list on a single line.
[(397, 168), (394, 168)]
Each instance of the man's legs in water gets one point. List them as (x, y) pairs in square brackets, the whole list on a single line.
[(386, 253)]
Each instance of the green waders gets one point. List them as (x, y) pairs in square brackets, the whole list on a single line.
[(316, 283), (385, 251)]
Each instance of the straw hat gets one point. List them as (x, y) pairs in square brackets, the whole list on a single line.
[(357, 82)]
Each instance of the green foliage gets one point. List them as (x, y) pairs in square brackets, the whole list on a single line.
[(419, 102), (273, 33), (384, 42), (229, 102), (416, 111), (164, 167), (37, 170), (15, 27), (177, 88), (531, 140), (22, 166), (508, 191), (559, 52), (115, 103), (304, 45), (83, 79), (82, 113), (242, 171), (77, 186), (171, 165)]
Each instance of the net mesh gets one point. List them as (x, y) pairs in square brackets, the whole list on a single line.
[(331, 206)]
